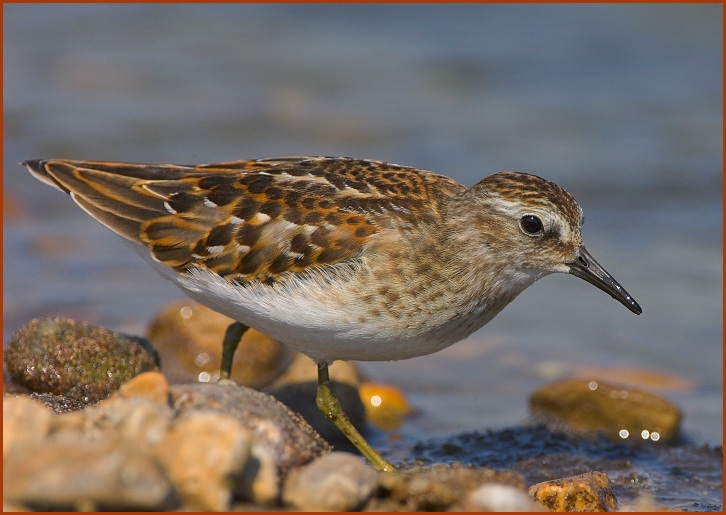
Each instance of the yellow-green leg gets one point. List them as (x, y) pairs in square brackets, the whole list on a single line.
[(232, 337), (329, 405), (326, 401)]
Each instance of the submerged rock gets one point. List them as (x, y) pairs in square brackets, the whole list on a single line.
[(684, 476), (616, 412), (188, 337), (297, 389), (385, 406)]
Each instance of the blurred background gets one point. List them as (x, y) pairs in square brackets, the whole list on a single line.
[(620, 104)]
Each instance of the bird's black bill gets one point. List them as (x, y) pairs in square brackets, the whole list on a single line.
[(585, 267)]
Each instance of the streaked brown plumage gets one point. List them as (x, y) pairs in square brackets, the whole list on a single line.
[(340, 258)]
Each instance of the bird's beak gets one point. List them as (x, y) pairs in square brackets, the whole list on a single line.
[(585, 267)]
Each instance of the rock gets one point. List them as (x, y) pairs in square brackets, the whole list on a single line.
[(84, 474), (302, 369), (496, 497), (636, 378), (261, 479), (151, 385), (282, 439), (204, 454), (297, 389), (198, 445), (617, 412), (138, 413), (438, 488), (75, 360), (188, 337), (385, 405), (24, 420), (335, 482), (586, 492)]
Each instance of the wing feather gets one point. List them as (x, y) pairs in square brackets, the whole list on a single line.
[(252, 220)]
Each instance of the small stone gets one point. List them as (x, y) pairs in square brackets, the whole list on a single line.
[(336, 482), (617, 412), (75, 360), (24, 420), (385, 405), (496, 497), (586, 492), (84, 475), (204, 455), (188, 337)]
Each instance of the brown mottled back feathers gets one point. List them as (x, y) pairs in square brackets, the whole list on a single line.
[(254, 219)]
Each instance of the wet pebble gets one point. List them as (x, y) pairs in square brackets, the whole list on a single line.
[(336, 482), (188, 337), (586, 492), (385, 406), (74, 359), (618, 412)]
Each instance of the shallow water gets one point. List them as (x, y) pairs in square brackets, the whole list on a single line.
[(619, 104), (685, 477)]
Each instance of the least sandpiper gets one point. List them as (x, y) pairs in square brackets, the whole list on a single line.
[(339, 258)]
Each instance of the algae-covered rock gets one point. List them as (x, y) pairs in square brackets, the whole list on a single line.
[(74, 359)]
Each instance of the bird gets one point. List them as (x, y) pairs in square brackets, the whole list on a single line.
[(337, 257)]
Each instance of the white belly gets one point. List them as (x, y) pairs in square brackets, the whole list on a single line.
[(326, 322)]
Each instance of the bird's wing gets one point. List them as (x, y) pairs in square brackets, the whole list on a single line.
[(251, 220)]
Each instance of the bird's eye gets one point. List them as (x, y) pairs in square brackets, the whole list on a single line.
[(531, 224)]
